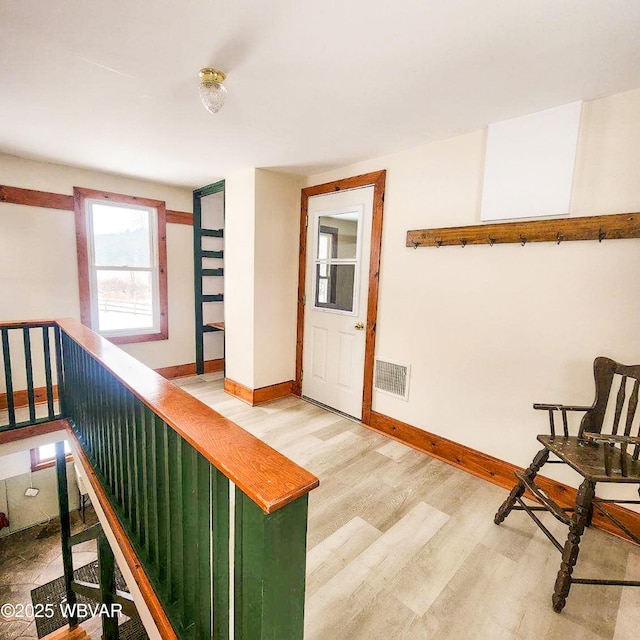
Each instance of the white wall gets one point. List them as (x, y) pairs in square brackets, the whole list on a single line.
[(276, 277), (14, 464), (38, 268), (24, 512), (490, 330), (239, 276), (261, 263), (15, 479)]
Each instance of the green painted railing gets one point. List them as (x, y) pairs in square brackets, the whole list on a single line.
[(215, 517), (30, 363)]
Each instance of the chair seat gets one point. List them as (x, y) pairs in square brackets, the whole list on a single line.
[(588, 459)]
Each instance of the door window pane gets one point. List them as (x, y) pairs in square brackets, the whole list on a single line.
[(338, 237), (336, 290)]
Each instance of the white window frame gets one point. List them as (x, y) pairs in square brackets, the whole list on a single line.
[(154, 269), (359, 211)]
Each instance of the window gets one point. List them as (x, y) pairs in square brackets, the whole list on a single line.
[(122, 268), (45, 456), (337, 261)]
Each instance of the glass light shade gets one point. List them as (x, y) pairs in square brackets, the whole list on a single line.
[(212, 95)]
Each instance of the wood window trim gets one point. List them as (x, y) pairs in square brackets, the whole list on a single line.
[(63, 202), (80, 196), (37, 464), (377, 179)]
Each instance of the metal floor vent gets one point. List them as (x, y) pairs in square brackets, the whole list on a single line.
[(392, 378)]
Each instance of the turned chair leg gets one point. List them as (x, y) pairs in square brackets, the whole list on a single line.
[(517, 491), (579, 521)]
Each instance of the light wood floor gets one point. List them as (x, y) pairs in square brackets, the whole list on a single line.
[(403, 546)]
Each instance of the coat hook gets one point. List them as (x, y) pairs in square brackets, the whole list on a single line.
[(601, 234), (416, 244), (523, 240), (463, 242), (438, 243), (492, 241), (559, 238)]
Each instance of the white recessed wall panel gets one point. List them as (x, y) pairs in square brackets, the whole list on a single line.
[(529, 164)]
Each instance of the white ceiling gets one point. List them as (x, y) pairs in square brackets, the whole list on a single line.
[(313, 84)]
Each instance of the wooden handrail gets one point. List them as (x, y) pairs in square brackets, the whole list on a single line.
[(266, 476), (20, 324)]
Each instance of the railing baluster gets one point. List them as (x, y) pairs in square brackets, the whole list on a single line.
[(26, 339), (189, 530), (93, 408), (47, 371), (162, 496), (60, 369), (238, 559), (120, 450), (128, 454), (152, 486), (204, 607), (99, 417), (221, 533), (141, 474), (111, 432), (71, 367), (113, 404), (90, 414), (6, 356), (74, 399), (175, 497), (65, 529)]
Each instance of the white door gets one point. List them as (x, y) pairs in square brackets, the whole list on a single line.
[(337, 284)]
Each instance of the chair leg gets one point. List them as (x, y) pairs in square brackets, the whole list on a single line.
[(571, 550), (505, 509)]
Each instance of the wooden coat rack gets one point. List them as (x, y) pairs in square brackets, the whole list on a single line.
[(609, 227)]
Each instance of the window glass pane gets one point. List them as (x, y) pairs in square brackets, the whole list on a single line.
[(121, 236), (338, 236), (323, 290), (124, 300), (324, 246), (336, 291), (48, 451)]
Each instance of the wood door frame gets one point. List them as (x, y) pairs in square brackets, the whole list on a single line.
[(376, 179)]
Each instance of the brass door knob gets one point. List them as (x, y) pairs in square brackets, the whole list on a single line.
[(359, 326)]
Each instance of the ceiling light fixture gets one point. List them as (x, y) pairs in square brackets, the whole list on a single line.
[(212, 91)]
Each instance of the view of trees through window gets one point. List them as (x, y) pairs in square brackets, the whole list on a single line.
[(123, 263)]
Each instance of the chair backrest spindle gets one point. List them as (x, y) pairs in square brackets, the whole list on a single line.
[(631, 411), (619, 404), (614, 394)]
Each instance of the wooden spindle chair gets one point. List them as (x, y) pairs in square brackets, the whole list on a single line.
[(605, 450)]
